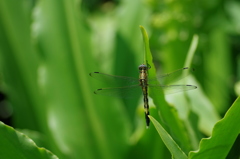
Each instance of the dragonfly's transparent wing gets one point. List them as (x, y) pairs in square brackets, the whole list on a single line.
[(122, 92), (131, 86), (168, 78), (113, 80), (173, 88)]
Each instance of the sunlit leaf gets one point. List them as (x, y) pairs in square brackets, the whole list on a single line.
[(175, 150), (17, 145), (223, 136)]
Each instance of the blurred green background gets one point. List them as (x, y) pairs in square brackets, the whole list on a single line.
[(49, 47)]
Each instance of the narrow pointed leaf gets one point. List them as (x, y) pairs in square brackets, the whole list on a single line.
[(172, 146)]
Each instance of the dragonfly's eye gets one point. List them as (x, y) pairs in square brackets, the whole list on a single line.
[(142, 67)]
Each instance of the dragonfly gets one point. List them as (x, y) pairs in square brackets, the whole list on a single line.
[(128, 87)]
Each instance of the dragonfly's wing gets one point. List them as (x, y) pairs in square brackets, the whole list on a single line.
[(168, 78), (113, 80), (172, 88), (122, 92)]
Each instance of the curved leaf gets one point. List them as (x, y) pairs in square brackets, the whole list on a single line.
[(224, 134), (17, 145)]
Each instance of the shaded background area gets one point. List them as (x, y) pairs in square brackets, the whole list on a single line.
[(48, 48)]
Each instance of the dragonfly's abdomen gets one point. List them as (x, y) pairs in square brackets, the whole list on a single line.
[(146, 106), (143, 83)]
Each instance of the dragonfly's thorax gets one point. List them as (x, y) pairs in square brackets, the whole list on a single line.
[(143, 72), (143, 76)]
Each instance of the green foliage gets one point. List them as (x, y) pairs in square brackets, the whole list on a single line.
[(224, 134), (169, 142), (48, 48), (17, 145)]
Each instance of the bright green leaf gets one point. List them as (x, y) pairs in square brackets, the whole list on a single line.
[(17, 145), (168, 140), (224, 134)]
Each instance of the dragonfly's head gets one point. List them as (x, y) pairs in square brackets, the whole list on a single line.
[(143, 67)]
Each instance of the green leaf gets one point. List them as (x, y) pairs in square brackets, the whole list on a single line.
[(149, 137), (17, 145), (168, 140), (224, 134), (191, 51), (147, 53)]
